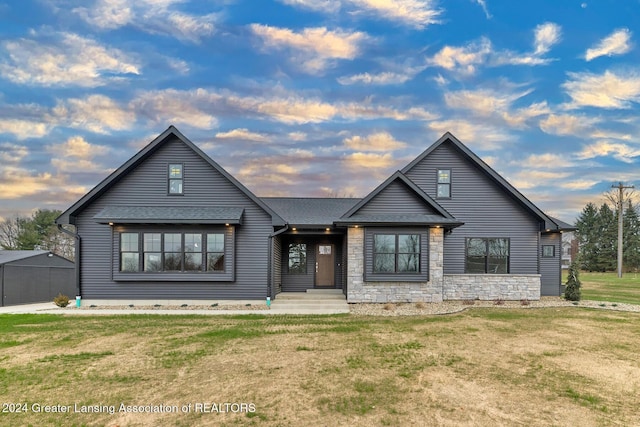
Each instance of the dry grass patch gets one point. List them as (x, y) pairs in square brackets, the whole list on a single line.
[(489, 366)]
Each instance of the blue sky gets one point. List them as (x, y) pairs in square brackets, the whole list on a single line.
[(320, 97)]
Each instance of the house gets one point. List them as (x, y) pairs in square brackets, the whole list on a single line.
[(171, 223), (34, 276)]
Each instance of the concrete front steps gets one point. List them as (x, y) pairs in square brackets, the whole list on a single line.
[(313, 301)]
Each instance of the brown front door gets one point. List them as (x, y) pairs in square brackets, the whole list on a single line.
[(325, 261)]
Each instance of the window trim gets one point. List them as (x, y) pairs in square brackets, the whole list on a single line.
[(396, 253), (486, 256), (438, 183), (553, 251), (170, 179)]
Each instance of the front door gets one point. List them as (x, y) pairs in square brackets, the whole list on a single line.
[(325, 261)]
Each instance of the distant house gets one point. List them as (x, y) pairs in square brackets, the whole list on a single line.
[(171, 223), (34, 276)]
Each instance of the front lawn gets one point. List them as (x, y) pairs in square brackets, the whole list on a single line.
[(608, 287), (485, 366)]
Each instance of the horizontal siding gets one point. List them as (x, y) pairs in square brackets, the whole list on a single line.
[(203, 186), (277, 265), (550, 267), (396, 198), (484, 207)]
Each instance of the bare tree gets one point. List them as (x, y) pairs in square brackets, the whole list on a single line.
[(10, 230)]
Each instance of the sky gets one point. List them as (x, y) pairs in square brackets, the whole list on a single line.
[(320, 97)]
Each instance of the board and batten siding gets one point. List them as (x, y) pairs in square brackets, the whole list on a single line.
[(483, 205), (396, 198), (551, 267), (146, 185)]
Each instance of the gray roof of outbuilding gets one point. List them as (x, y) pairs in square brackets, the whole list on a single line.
[(169, 214), (299, 211), (10, 256)]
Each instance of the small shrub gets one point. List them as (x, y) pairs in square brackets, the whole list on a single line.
[(421, 305), (184, 305), (525, 301), (498, 301), (61, 300), (468, 301), (389, 306), (572, 291)]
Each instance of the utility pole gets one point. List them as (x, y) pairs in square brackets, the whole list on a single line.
[(621, 189)]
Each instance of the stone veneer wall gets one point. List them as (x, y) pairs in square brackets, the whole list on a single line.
[(380, 292), (491, 286)]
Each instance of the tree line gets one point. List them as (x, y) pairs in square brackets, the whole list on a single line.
[(37, 231), (598, 237)]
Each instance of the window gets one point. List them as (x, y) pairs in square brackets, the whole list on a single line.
[(175, 178), (298, 258), (396, 253), (444, 184), (215, 252), (548, 251), (129, 252), (487, 256), (172, 252)]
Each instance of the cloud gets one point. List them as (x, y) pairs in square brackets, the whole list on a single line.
[(476, 135), (384, 78), (242, 134), (483, 5), (23, 129), (619, 151), (581, 184), (462, 59), (315, 49), (545, 36), (566, 124), (617, 43), (370, 160), (417, 14), (16, 182), (151, 16), (12, 153), (175, 107), (608, 90), (380, 141), (96, 113), (545, 160), (64, 59), (78, 148)]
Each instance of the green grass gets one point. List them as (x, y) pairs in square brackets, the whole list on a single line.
[(608, 287)]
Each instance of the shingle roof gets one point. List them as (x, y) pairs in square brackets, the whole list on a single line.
[(395, 219), (169, 214), (9, 256), (298, 211)]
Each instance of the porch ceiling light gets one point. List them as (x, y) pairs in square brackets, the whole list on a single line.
[(294, 229), (327, 229), (111, 224)]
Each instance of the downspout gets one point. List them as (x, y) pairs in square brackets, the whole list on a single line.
[(76, 237), (270, 260)]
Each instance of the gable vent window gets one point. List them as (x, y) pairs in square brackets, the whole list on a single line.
[(444, 183), (176, 178)]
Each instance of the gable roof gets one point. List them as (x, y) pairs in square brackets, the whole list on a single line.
[(309, 212), (442, 217), (68, 216), (549, 223)]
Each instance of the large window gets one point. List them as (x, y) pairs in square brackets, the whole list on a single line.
[(485, 255), (172, 252), (176, 178), (444, 183), (396, 253), (298, 258)]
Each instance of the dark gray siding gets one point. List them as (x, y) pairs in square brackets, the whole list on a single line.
[(203, 186), (277, 265), (485, 208), (369, 233), (550, 268), (302, 282), (396, 198), (36, 279)]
